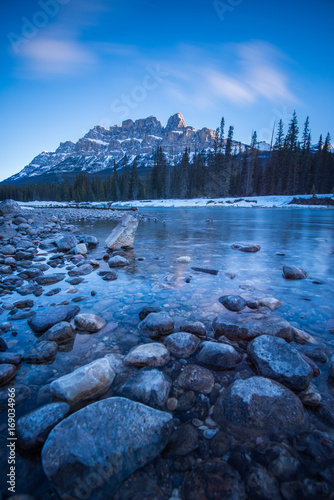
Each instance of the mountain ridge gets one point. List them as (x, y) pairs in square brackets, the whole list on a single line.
[(139, 139)]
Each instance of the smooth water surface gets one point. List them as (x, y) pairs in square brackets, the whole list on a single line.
[(154, 278)]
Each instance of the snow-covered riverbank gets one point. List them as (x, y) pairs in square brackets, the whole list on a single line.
[(249, 202)]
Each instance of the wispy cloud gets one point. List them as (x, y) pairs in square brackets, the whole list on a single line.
[(241, 74), (47, 56)]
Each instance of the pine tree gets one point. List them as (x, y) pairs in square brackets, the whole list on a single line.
[(227, 170), (292, 149), (184, 174), (115, 188), (134, 182), (305, 159)]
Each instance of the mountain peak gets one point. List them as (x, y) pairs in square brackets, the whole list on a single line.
[(176, 122), (100, 147)]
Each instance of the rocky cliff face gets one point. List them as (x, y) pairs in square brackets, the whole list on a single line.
[(139, 139)]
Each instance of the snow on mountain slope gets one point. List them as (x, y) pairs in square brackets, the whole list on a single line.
[(100, 147)]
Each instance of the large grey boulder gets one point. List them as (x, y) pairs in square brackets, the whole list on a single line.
[(250, 326), (42, 321), (90, 453), (33, 429), (124, 233), (149, 386), (9, 207), (276, 359), (87, 382), (219, 356), (258, 405)]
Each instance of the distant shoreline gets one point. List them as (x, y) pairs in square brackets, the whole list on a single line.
[(247, 202)]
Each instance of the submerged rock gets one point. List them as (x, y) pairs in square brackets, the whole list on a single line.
[(205, 270), (110, 276), (33, 429), (219, 356), (31, 273), (10, 358), (89, 322), (81, 270), (42, 321), (270, 302), (149, 386), (195, 327), (250, 326), (124, 233), (153, 355), (118, 261), (61, 332), (147, 310), (259, 404), (246, 247), (182, 344), (184, 259), (50, 279), (41, 352), (301, 337), (156, 324), (87, 382), (276, 359), (294, 273), (30, 288), (3, 345), (233, 302), (91, 452), (7, 372)]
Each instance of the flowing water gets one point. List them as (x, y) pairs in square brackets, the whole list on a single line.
[(155, 278)]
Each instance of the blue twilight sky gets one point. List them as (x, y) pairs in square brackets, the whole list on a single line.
[(67, 65)]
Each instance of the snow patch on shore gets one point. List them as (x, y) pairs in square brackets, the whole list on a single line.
[(247, 202)]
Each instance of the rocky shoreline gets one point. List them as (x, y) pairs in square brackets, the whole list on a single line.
[(241, 408)]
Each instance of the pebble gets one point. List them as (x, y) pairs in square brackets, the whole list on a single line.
[(209, 433)]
